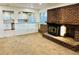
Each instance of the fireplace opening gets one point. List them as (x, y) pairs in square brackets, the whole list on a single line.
[(57, 30), (70, 31), (65, 30), (54, 29)]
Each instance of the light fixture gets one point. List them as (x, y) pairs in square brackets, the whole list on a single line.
[(40, 3)]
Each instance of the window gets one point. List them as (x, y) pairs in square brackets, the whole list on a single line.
[(31, 18), (23, 17), (8, 19), (8, 15), (43, 17)]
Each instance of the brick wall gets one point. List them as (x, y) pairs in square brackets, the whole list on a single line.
[(70, 14), (77, 33), (66, 15)]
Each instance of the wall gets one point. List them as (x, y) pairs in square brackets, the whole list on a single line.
[(16, 10), (20, 29)]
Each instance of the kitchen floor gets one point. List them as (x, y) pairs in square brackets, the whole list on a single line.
[(32, 44)]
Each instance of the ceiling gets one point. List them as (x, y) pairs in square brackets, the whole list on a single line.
[(33, 5)]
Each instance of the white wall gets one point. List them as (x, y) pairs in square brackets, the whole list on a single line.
[(16, 10), (19, 28)]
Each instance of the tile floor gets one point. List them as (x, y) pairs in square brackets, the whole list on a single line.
[(32, 44)]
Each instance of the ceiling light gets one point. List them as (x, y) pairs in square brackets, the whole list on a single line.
[(40, 3)]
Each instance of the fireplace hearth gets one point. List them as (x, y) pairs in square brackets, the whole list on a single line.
[(64, 22), (69, 40)]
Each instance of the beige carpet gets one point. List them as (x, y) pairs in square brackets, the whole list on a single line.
[(32, 44)]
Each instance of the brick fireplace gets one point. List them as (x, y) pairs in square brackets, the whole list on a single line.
[(67, 16), (63, 26)]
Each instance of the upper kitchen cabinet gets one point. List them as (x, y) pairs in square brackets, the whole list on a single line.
[(64, 15)]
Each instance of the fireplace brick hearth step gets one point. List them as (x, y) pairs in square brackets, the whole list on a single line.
[(64, 41)]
